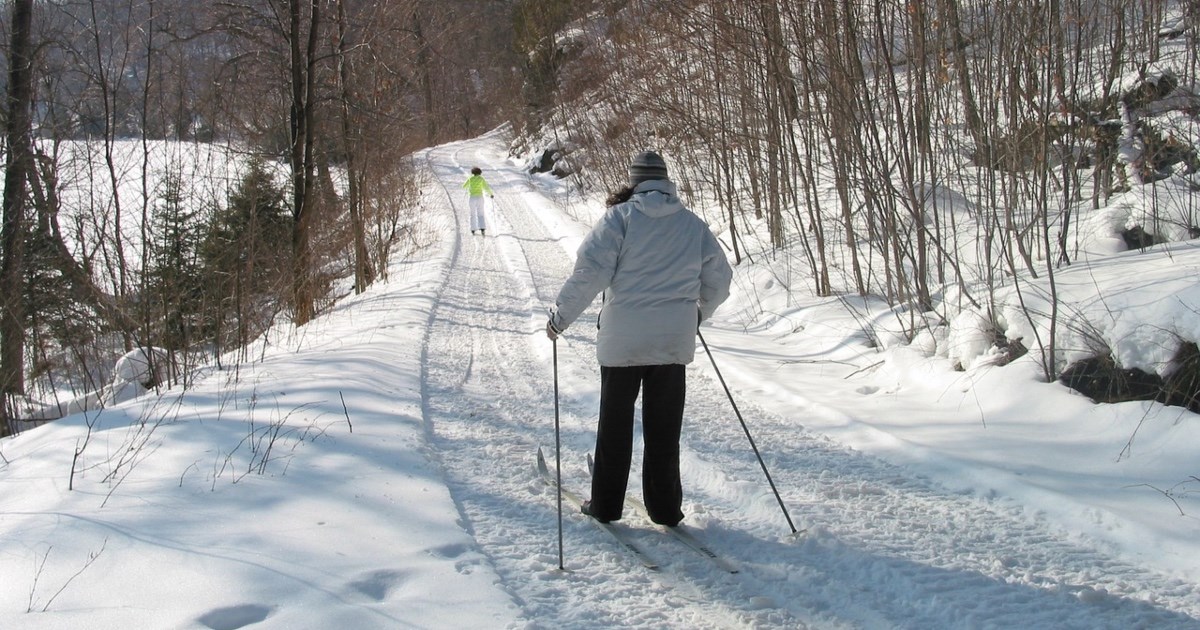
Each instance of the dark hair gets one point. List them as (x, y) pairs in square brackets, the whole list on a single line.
[(476, 171), (619, 196)]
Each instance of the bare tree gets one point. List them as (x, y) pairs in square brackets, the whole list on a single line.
[(303, 28), (363, 271), (18, 163)]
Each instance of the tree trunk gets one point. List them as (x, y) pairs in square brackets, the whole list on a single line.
[(43, 189), (108, 96), (16, 172), (363, 274), (966, 90), (303, 67)]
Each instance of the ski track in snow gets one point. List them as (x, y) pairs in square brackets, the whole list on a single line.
[(883, 548)]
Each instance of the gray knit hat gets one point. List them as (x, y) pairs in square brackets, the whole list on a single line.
[(645, 166)]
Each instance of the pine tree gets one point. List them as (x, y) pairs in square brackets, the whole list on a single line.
[(174, 284), (245, 256)]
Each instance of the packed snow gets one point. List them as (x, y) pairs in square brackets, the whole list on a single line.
[(375, 468)]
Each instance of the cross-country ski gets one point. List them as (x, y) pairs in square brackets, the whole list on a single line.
[(576, 502), (680, 532)]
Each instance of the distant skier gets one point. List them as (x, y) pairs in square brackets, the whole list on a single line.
[(476, 186), (663, 272)]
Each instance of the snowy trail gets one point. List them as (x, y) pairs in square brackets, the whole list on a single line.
[(490, 401), (884, 548)]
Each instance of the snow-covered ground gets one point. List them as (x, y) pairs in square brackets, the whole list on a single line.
[(375, 469)]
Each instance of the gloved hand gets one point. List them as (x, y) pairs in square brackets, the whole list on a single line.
[(552, 333)]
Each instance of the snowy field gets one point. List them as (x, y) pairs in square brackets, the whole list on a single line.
[(376, 469)]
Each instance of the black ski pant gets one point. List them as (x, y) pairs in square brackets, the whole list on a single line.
[(663, 389)]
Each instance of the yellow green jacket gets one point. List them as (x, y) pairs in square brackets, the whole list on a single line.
[(476, 186)]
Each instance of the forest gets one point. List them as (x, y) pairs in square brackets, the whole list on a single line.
[(926, 152)]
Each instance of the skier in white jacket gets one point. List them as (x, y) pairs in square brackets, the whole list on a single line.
[(662, 273)]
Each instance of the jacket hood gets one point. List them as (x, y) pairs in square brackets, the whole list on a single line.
[(656, 198)]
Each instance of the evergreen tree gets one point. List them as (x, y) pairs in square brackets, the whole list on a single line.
[(245, 257), (175, 290)]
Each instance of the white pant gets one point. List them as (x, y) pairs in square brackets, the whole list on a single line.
[(477, 222)]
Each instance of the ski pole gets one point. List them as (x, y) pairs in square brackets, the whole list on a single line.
[(746, 430), (557, 457)]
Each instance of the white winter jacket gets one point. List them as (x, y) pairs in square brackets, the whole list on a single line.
[(663, 271)]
